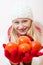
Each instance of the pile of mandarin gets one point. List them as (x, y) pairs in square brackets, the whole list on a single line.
[(22, 51)]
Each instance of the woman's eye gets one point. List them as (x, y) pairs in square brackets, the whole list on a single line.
[(16, 22), (24, 21)]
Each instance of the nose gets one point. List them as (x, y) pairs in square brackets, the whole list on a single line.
[(20, 26)]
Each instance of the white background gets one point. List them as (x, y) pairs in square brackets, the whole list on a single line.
[(5, 7)]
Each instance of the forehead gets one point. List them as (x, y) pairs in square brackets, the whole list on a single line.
[(20, 19)]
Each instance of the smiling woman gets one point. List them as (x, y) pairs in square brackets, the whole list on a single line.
[(22, 25)]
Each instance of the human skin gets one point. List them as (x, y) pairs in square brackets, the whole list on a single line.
[(22, 25)]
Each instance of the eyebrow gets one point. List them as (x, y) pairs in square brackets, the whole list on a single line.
[(21, 18), (16, 22)]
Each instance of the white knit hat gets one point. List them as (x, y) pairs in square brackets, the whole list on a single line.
[(21, 9)]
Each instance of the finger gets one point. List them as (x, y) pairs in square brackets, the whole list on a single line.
[(4, 45)]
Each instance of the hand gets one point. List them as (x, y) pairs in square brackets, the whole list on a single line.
[(27, 57), (4, 45), (40, 53), (7, 54)]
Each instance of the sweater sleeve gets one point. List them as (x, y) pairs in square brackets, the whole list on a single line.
[(38, 60), (39, 28)]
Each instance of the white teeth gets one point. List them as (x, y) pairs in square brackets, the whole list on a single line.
[(22, 32)]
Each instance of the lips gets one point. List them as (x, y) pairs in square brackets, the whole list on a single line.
[(22, 30)]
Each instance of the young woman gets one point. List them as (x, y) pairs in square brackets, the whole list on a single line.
[(23, 25)]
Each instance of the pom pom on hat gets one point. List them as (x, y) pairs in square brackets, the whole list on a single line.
[(21, 9)]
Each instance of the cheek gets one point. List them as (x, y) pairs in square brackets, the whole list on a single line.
[(14, 26), (27, 25)]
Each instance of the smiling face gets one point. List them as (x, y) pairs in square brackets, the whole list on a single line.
[(22, 25)]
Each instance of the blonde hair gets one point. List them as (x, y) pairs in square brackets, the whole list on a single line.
[(32, 32)]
